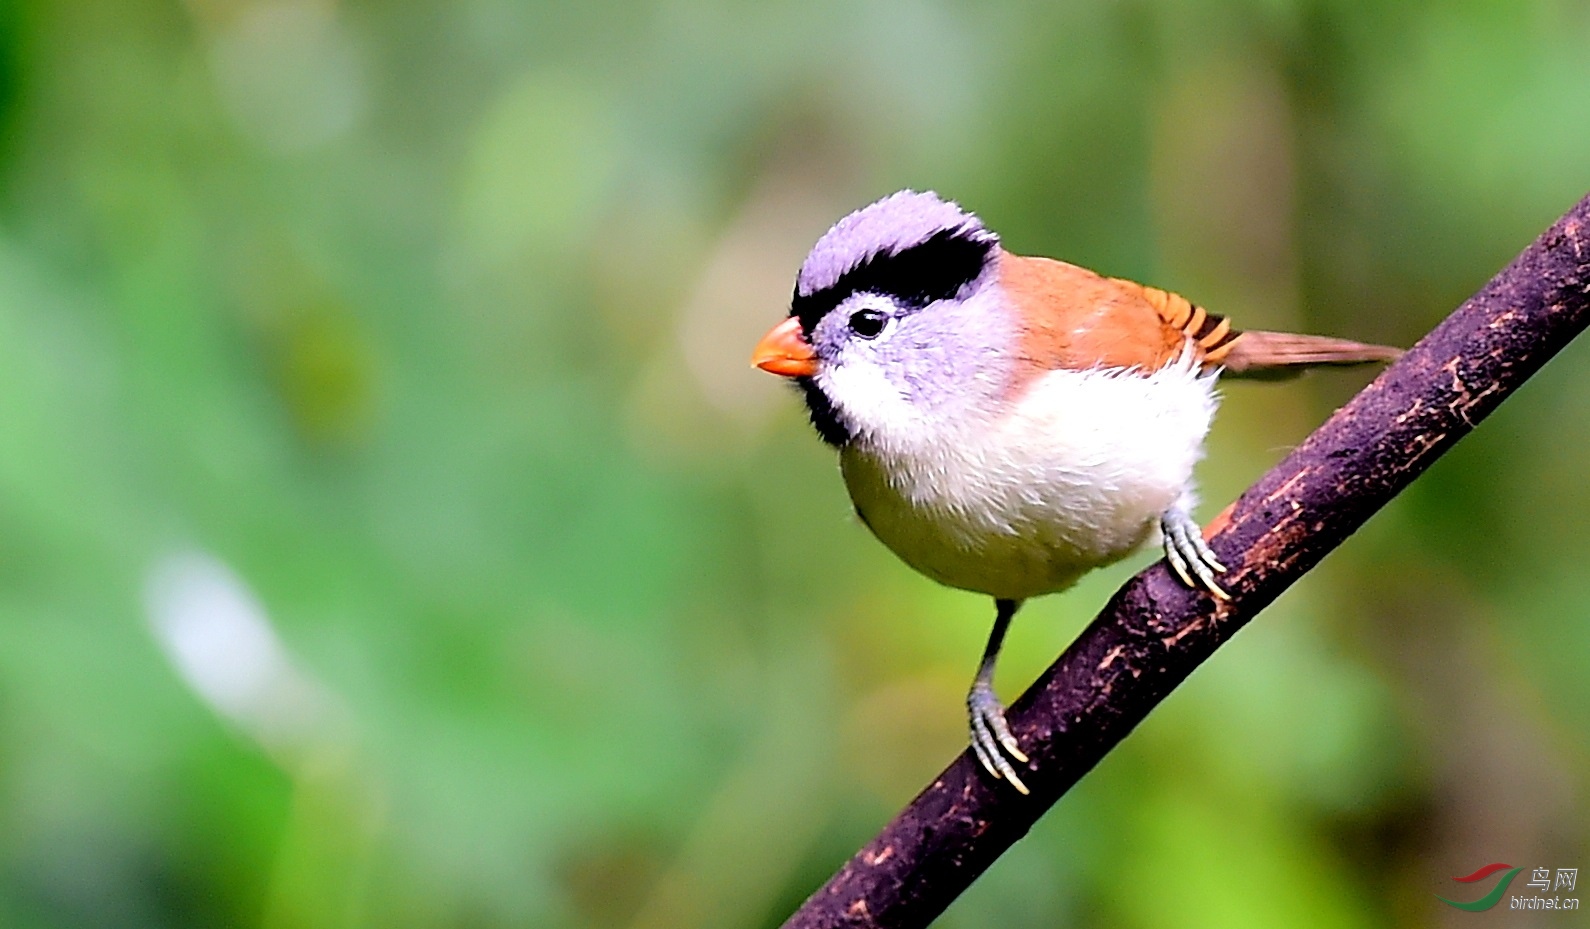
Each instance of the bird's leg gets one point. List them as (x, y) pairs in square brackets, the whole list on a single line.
[(991, 738), (1189, 555)]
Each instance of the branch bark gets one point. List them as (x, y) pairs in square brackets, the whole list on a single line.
[(1155, 630)]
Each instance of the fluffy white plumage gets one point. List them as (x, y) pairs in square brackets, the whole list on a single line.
[(1074, 477)]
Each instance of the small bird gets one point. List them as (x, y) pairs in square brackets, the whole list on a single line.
[(1006, 423)]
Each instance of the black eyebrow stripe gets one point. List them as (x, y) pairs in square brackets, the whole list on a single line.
[(934, 269)]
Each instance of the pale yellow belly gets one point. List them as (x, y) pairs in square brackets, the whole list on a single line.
[(1014, 552), (1025, 503)]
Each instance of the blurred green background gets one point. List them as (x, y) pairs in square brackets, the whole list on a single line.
[(393, 534)]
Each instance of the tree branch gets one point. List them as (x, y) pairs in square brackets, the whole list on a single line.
[(1155, 630)]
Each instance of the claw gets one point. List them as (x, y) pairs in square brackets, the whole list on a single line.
[(1177, 562), (1007, 741), (1189, 555), (982, 756), (991, 736)]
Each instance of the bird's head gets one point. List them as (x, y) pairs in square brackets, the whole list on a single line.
[(897, 328)]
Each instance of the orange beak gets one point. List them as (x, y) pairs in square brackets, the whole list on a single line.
[(784, 350)]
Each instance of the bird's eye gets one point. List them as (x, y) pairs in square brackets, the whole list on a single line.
[(868, 323)]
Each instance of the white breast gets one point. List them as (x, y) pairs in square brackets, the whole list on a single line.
[(1074, 477)]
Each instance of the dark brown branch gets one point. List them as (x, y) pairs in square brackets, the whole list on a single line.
[(1155, 631)]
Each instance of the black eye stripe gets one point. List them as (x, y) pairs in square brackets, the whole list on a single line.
[(933, 269)]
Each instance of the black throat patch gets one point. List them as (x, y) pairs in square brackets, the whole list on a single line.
[(821, 410)]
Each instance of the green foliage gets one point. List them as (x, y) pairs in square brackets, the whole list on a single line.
[(392, 533)]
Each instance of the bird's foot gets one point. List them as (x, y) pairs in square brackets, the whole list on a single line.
[(991, 737), (1189, 555)]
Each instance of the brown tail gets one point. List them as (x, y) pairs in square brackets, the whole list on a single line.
[(1270, 355)]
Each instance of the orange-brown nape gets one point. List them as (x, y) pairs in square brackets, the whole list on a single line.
[(1075, 319)]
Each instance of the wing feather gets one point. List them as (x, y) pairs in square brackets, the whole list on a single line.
[(1072, 318)]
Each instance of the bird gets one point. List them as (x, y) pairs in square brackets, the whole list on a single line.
[(1007, 423)]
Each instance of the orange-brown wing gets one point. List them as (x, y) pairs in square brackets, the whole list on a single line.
[(1074, 318)]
